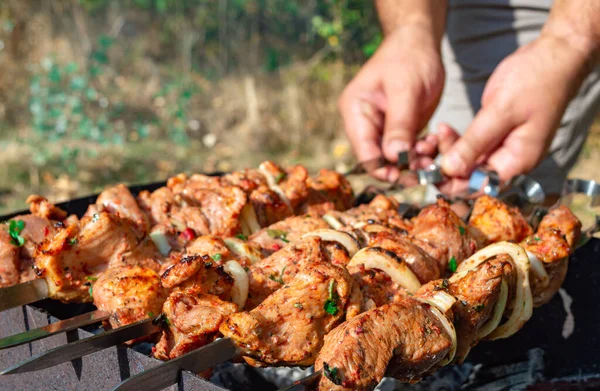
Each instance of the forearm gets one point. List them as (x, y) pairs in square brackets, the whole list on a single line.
[(576, 22), (427, 14)]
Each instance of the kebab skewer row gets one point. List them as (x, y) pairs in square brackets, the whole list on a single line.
[(352, 360)]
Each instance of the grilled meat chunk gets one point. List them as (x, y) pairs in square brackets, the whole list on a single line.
[(84, 250), (41, 207), (278, 235), (193, 321), (493, 221), (129, 293), (119, 201), (288, 327), (561, 219), (9, 259), (442, 234), (329, 187), (381, 210), (357, 353)]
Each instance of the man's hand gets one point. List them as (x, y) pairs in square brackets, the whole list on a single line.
[(393, 96), (523, 103)]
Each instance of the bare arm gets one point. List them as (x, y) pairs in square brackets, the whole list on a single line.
[(430, 14)]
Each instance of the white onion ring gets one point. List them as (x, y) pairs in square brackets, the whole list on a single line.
[(389, 263), (332, 221), (242, 249), (331, 235), (272, 182), (523, 307), (161, 241), (496, 318), (437, 303), (239, 291), (248, 220), (537, 267)]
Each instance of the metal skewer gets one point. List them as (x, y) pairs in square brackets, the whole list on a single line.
[(24, 293)]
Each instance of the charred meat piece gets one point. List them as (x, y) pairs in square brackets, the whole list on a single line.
[(192, 320), (381, 210), (84, 250), (443, 235), (405, 338), (158, 204), (129, 293), (9, 259), (561, 219), (270, 274), (278, 235), (329, 187), (291, 183), (288, 327), (41, 207), (493, 221), (268, 206)]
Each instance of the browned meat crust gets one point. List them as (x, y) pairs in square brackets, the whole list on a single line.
[(493, 221)]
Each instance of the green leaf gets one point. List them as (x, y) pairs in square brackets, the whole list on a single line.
[(14, 230), (332, 373), (331, 304), (242, 237), (216, 257), (105, 41), (461, 229), (452, 265), (278, 234), (100, 57)]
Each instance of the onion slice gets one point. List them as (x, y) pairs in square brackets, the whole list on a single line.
[(537, 267), (333, 221), (272, 182), (331, 235), (496, 318), (389, 263), (440, 303), (243, 249), (523, 307), (249, 221), (161, 241), (239, 291)]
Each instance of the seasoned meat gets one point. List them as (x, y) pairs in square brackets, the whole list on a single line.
[(129, 293), (329, 187), (41, 207), (158, 204), (9, 259), (356, 354), (381, 210), (377, 287), (442, 234), (477, 294), (493, 221), (268, 206), (278, 235), (119, 201), (288, 327), (268, 275), (193, 321), (248, 180), (77, 252), (291, 181), (145, 254), (552, 244), (561, 219)]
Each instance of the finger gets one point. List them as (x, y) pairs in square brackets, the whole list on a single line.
[(447, 136), (486, 132), (427, 146), (421, 162), (454, 187), (401, 120)]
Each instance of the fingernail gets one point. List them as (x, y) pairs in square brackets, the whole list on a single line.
[(396, 146), (453, 164)]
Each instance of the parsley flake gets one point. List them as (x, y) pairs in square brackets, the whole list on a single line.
[(73, 241), (332, 373), (281, 176), (452, 265), (95, 217), (241, 237), (279, 278), (278, 234), (461, 230), (331, 304), (91, 278), (14, 229), (216, 257), (298, 305), (478, 307)]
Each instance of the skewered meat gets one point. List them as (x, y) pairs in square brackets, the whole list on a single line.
[(118, 200), (493, 221), (442, 234), (288, 327), (381, 210), (79, 251), (328, 187), (129, 293), (193, 320), (9, 260), (41, 207)]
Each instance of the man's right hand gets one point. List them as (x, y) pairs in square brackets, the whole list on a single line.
[(393, 96)]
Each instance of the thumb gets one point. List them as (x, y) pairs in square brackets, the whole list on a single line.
[(485, 133), (401, 122)]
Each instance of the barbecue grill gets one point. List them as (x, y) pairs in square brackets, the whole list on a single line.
[(557, 349)]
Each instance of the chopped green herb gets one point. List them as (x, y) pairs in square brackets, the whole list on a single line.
[(14, 229), (95, 217), (91, 291), (73, 241), (242, 237), (452, 265), (216, 257), (278, 234), (536, 239), (151, 314), (281, 176), (461, 230), (332, 374), (279, 278), (479, 307), (331, 304), (91, 278), (298, 305)]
